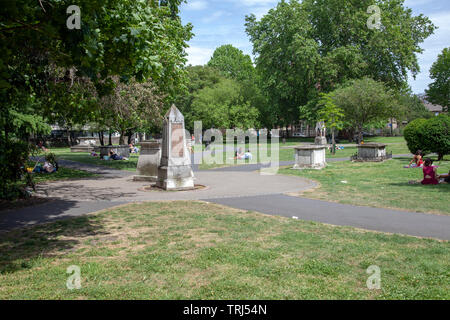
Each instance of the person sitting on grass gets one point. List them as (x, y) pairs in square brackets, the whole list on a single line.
[(444, 178), (417, 159), (115, 156), (133, 149), (429, 172)]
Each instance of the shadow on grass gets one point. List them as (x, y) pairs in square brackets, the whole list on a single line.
[(443, 187), (23, 248)]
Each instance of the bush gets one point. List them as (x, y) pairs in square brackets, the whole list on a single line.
[(437, 132), (414, 136), (432, 135), (13, 156)]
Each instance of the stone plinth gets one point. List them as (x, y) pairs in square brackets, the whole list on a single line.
[(175, 172), (310, 156), (122, 150), (149, 161), (371, 152)]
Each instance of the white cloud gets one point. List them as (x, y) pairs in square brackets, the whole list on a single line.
[(197, 5), (199, 55), (216, 15), (258, 3)]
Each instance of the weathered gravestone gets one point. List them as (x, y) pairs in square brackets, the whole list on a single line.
[(149, 161), (175, 172)]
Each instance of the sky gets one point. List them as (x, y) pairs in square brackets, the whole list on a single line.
[(219, 22)]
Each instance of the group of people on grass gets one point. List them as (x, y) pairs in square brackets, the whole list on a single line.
[(240, 155), (430, 175)]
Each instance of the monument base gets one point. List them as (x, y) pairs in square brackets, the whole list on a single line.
[(145, 178), (175, 178), (310, 156)]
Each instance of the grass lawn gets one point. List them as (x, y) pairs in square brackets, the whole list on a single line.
[(396, 145), (379, 185), (64, 153), (61, 174), (195, 250)]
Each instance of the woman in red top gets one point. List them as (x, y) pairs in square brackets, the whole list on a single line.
[(417, 159), (429, 172)]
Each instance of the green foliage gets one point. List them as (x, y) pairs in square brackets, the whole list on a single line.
[(306, 48), (439, 91), (13, 156), (330, 113), (436, 133), (415, 136), (222, 106), (232, 63), (364, 101)]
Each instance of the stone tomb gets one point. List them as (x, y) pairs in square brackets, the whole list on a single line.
[(371, 152), (311, 156), (149, 161), (175, 172)]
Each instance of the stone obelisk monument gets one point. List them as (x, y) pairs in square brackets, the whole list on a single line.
[(175, 172)]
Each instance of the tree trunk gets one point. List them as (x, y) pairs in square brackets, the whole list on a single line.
[(333, 143), (110, 138), (440, 156), (129, 134), (360, 135), (121, 140), (101, 138)]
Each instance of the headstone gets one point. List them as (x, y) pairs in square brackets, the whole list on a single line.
[(310, 156), (175, 172)]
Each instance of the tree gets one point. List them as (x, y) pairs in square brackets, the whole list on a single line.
[(128, 38), (199, 77), (132, 106), (439, 90), (222, 106), (232, 63), (303, 49), (364, 101), (331, 115), (437, 135), (432, 135)]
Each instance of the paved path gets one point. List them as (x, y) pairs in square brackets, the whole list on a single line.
[(238, 186), (392, 221)]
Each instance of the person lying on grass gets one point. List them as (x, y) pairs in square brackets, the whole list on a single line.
[(115, 156), (444, 178)]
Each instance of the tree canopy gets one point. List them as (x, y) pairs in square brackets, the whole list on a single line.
[(306, 48), (439, 90)]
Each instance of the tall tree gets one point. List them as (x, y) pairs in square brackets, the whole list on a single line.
[(306, 48), (439, 90), (223, 106), (232, 63), (332, 116), (363, 102)]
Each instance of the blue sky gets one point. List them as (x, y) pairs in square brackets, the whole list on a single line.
[(218, 22)]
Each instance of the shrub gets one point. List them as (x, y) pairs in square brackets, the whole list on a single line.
[(437, 135), (13, 156), (414, 136)]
